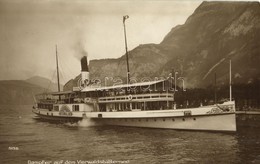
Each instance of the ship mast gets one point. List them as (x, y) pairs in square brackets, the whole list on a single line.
[(215, 88), (230, 83), (57, 64), (128, 72)]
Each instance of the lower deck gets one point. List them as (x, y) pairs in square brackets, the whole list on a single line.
[(205, 118)]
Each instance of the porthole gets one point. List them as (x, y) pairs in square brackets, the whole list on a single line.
[(163, 119), (154, 119), (194, 119), (173, 119), (183, 119)]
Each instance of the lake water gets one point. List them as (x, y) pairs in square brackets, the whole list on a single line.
[(24, 139)]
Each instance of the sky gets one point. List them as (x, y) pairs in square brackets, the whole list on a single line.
[(30, 30)]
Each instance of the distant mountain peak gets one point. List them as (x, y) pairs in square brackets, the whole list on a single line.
[(43, 82)]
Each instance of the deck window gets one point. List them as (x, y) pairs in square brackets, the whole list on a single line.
[(56, 108), (75, 108)]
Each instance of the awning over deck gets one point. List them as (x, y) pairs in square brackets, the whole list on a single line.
[(89, 88)]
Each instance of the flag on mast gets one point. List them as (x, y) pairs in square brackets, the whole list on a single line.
[(125, 17)]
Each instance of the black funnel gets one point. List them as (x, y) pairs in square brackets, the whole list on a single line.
[(84, 64)]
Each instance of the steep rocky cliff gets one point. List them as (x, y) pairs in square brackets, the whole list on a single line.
[(215, 33)]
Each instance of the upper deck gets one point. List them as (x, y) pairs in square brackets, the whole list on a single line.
[(136, 92)]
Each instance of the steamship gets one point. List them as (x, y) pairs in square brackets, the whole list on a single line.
[(145, 104)]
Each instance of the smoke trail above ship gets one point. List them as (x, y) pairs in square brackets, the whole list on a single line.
[(80, 50)]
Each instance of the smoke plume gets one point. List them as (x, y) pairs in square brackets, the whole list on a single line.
[(80, 50)]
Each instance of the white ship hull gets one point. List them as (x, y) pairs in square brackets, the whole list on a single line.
[(210, 118), (218, 122)]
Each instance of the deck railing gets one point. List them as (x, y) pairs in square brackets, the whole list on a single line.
[(138, 98), (118, 98)]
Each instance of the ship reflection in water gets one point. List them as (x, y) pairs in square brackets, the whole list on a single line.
[(23, 138)]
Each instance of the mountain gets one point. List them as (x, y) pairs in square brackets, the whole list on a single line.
[(22, 92), (18, 92), (43, 82), (215, 33)]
